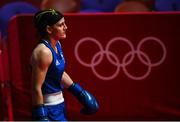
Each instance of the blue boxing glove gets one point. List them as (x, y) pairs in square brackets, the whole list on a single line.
[(39, 113), (86, 99)]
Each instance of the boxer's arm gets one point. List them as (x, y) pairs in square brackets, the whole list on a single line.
[(40, 61), (66, 80), (85, 98)]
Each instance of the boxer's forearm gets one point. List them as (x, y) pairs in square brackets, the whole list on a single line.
[(37, 97), (66, 80)]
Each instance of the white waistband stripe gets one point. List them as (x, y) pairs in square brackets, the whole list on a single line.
[(53, 99)]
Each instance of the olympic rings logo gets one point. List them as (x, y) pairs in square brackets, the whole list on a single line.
[(126, 60)]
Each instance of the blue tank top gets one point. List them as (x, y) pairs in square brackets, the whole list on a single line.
[(54, 74)]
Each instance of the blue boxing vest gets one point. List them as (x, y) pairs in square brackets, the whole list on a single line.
[(55, 70)]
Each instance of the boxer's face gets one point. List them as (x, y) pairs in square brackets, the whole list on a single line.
[(58, 30)]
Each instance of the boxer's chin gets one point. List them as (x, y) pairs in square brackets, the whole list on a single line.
[(63, 36)]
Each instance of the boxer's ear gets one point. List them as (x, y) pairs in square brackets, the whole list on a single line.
[(49, 29)]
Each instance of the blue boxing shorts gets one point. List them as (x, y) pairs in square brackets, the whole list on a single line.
[(56, 112), (55, 106)]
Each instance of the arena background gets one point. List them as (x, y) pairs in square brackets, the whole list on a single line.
[(129, 61)]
